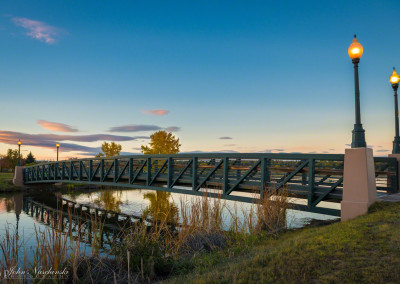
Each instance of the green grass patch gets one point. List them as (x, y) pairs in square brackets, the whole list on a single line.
[(363, 250), (6, 182)]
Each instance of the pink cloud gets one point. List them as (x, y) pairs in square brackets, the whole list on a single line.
[(55, 126), (156, 111), (38, 30), (49, 141)]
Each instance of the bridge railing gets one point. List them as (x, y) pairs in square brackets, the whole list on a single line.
[(242, 177)]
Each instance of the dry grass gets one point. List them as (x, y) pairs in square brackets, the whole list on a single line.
[(146, 251), (362, 250), (156, 251)]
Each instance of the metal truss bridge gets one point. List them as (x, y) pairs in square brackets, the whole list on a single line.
[(308, 178)]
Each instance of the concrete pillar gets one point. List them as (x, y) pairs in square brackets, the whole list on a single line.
[(359, 185), (397, 156), (19, 176)]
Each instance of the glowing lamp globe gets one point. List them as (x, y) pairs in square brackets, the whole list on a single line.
[(355, 49), (19, 142), (394, 78), (58, 145)]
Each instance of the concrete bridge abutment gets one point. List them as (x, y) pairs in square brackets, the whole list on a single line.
[(359, 185), (19, 176)]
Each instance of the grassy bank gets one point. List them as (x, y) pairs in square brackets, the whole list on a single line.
[(363, 250), (253, 249), (6, 184), (142, 251)]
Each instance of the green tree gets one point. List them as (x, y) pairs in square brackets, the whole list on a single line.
[(30, 159), (12, 158), (110, 149), (3, 162), (162, 142)]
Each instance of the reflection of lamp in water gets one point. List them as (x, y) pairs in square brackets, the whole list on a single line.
[(18, 203)]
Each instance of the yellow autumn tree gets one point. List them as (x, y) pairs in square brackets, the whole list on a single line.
[(160, 207), (110, 149), (162, 142)]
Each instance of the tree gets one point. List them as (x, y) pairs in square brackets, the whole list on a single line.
[(12, 158), (110, 149), (162, 142), (3, 163), (30, 159), (160, 207), (109, 201)]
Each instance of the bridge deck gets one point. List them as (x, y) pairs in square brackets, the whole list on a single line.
[(241, 177)]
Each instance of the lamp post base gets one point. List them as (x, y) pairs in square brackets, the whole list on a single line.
[(359, 185), (396, 145), (358, 137)]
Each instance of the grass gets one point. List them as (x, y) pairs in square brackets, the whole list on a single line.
[(363, 250), (145, 252), (6, 182)]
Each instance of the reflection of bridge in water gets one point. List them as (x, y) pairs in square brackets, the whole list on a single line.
[(312, 178), (81, 221)]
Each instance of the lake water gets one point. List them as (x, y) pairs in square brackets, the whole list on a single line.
[(129, 201)]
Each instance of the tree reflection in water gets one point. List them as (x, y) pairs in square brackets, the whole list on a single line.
[(160, 207), (109, 201)]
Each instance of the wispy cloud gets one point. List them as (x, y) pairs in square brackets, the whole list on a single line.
[(173, 128), (141, 127), (56, 126), (382, 150), (50, 140), (135, 128), (229, 145), (38, 30), (158, 112), (225, 137), (272, 150)]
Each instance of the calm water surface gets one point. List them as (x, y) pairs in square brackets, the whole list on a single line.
[(129, 201)]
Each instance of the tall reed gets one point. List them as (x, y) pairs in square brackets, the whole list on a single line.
[(147, 250)]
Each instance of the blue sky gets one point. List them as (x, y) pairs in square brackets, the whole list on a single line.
[(271, 75)]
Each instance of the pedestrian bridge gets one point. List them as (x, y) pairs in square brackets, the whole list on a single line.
[(310, 178)]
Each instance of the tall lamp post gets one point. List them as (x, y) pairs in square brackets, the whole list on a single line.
[(19, 152), (394, 80), (355, 53), (58, 146)]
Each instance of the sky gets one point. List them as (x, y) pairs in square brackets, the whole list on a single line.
[(223, 76)]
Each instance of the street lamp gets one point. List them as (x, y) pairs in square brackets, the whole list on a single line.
[(394, 80), (355, 53), (58, 146), (19, 152)]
